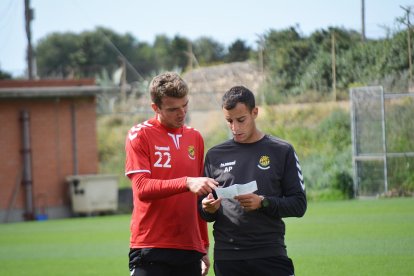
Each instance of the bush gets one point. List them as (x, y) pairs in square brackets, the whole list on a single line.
[(344, 183), (324, 195)]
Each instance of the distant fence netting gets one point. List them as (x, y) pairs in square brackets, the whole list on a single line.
[(383, 141)]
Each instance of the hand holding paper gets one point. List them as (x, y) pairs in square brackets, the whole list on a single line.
[(237, 189)]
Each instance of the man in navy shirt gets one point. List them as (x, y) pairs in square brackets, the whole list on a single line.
[(248, 228)]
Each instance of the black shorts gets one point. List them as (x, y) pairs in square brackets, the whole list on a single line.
[(270, 266), (164, 262)]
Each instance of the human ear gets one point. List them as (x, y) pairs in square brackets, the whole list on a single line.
[(255, 112), (155, 108)]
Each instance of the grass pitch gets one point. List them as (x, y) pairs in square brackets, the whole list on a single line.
[(358, 237)]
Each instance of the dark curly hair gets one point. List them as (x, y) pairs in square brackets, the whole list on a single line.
[(238, 94)]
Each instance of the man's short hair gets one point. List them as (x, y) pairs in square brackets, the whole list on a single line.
[(168, 84), (238, 94)]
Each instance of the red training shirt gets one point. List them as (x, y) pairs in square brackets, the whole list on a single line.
[(158, 161)]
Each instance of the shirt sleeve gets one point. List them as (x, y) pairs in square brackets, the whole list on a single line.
[(151, 189), (203, 214), (293, 202), (137, 153)]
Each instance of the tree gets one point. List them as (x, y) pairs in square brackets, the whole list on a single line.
[(293, 63), (142, 59), (89, 53), (237, 51), (318, 73), (4, 75), (162, 52), (208, 51), (287, 55), (57, 54), (179, 52)]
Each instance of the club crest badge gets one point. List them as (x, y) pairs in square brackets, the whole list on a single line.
[(191, 152), (264, 162)]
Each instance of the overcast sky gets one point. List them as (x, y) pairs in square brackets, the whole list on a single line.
[(222, 20)]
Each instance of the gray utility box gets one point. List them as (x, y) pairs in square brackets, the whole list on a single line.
[(93, 193)]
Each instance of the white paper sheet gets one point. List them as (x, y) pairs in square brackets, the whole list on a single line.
[(237, 189)]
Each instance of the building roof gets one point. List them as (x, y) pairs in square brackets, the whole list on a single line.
[(10, 89)]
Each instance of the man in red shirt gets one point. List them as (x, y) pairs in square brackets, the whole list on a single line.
[(164, 161)]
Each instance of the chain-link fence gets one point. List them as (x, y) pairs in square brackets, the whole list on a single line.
[(383, 141)]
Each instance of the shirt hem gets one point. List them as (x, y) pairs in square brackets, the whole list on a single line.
[(249, 254)]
